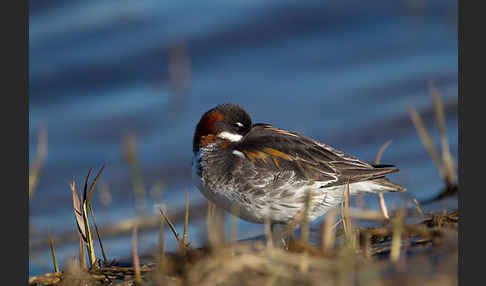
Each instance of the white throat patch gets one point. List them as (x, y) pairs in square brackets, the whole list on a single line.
[(230, 136)]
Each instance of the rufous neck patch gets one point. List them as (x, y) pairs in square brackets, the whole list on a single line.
[(205, 128)]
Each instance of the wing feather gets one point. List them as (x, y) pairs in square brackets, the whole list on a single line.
[(277, 149)]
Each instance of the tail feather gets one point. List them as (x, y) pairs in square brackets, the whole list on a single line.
[(384, 166), (388, 186)]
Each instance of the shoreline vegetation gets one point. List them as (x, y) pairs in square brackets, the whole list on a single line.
[(404, 246)]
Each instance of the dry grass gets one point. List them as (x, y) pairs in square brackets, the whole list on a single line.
[(255, 263), (36, 166), (392, 251), (53, 251), (131, 156), (358, 259), (136, 259), (444, 164), (383, 207)]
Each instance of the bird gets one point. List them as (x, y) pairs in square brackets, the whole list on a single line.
[(267, 172)]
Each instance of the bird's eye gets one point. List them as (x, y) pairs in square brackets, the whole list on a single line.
[(239, 125)]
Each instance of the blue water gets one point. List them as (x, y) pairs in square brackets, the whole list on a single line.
[(342, 72)]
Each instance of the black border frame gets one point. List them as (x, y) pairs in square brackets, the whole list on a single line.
[(15, 202)]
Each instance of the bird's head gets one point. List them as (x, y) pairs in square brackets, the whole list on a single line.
[(224, 123)]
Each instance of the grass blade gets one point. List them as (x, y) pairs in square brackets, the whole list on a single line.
[(383, 208), (86, 185), (446, 153), (304, 239), (161, 259), (90, 209), (171, 225), (419, 210), (426, 140), (381, 198), (328, 235), (136, 259), (131, 156), (53, 252), (93, 184), (380, 151), (78, 212), (161, 248), (36, 167), (167, 220), (89, 240), (397, 236), (438, 108), (105, 260), (82, 255), (348, 228)]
